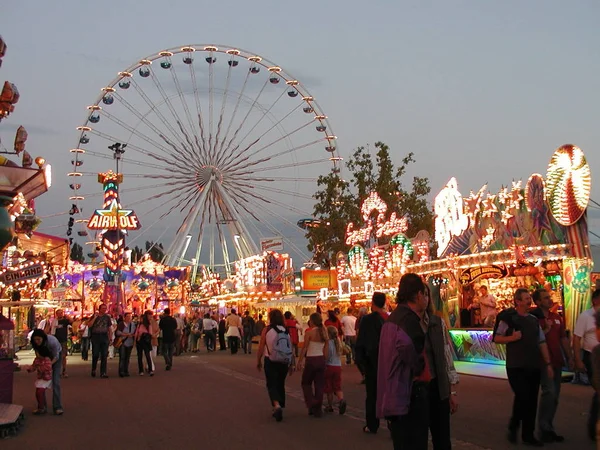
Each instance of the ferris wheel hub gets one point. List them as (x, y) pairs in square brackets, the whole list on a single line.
[(207, 173)]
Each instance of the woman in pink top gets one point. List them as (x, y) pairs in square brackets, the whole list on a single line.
[(143, 341)]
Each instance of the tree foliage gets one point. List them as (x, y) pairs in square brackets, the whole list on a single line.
[(338, 201), (77, 253)]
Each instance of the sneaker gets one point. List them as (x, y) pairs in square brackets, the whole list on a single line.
[(58, 412), (278, 414), (168, 367), (343, 406), (103, 375), (39, 412), (141, 374), (151, 374)]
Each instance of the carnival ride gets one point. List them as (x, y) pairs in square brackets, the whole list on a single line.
[(223, 148)]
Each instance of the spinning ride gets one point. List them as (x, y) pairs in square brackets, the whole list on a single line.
[(223, 148)]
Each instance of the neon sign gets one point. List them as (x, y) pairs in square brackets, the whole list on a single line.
[(450, 219), (106, 219)]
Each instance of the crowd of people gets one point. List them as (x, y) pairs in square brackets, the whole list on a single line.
[(405, 358)]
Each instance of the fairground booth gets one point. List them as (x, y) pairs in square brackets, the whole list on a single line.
[(533, 236)]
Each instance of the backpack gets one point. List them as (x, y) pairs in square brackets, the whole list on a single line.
[(282, 350), (507, 315)]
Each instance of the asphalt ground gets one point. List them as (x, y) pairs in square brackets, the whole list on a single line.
[(219, 401)]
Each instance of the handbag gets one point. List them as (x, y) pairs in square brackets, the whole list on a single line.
[(118, 342)]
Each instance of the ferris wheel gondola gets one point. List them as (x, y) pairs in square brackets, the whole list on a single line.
[(223, 147)]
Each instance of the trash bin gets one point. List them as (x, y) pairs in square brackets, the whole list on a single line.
[(7, 356)]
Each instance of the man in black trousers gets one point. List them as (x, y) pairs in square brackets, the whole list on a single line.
[(367, 351), (525, 344)]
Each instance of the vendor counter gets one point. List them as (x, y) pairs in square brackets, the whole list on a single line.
[(476, 345)]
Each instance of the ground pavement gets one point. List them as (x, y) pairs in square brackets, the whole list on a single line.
[(219, 401)]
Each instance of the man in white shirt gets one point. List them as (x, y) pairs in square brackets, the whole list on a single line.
[(584, 342), (349, 328), (209, 326), (487, 303)]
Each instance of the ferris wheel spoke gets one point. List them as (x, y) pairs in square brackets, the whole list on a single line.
[(211, 94), (277, 231), (222, 112), (241, 125), (266, 199), (134, 147), (179, 191), (153, 107), (203, 148), (167, 100), (232, 148), (283, 191), (127, 160), (259, 161), (142, 117), (275, 179), (185, 199), (234, 114), (237, 172)]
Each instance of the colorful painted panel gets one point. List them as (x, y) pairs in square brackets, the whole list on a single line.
[(477, 346)]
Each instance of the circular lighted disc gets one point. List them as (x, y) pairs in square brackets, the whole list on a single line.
[(535, 194), (568, 184)]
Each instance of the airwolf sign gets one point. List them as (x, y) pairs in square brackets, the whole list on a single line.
[(106, 219)]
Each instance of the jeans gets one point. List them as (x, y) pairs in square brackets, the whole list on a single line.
[(85, 347), (222, 344), (525, 383), (439, 418), (144, 349), (124, 357), (411, 431), (167, 349), (234, 343), (371, 399), (192, 342), (350, 341), (63, 356), (209, 340), (275, 374), (247, 343), (99, 350), (56, 373), (314, 374), (549, 400), (593, 415)]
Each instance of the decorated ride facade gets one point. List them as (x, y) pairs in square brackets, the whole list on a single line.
[(532, 236)]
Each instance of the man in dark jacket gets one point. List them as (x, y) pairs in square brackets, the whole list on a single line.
[(367, 350), (168, 326)]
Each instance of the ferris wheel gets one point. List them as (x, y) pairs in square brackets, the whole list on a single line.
[(223, 148)]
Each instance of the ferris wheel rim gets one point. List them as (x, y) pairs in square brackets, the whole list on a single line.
[(219, 49)]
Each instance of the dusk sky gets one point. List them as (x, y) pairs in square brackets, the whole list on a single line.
[(483, 91)]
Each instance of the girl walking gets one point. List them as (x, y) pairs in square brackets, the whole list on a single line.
[(312, 360), (43, 366), (333, 371), (275, 345), (143, 340)]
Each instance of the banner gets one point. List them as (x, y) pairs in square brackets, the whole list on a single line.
[(314, 280), (472, 274), (272, 244)]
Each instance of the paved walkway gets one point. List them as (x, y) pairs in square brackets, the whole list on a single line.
[(219, 401)]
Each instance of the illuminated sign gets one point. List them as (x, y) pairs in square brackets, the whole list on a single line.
[(450, 219), (314, 280), (23, 274), (271, 244), (106, 219), (568, 184), (472, 274)]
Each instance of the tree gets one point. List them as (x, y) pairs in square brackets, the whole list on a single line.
[(155, 250), (339, 201), (77, 253), (136, 254)]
